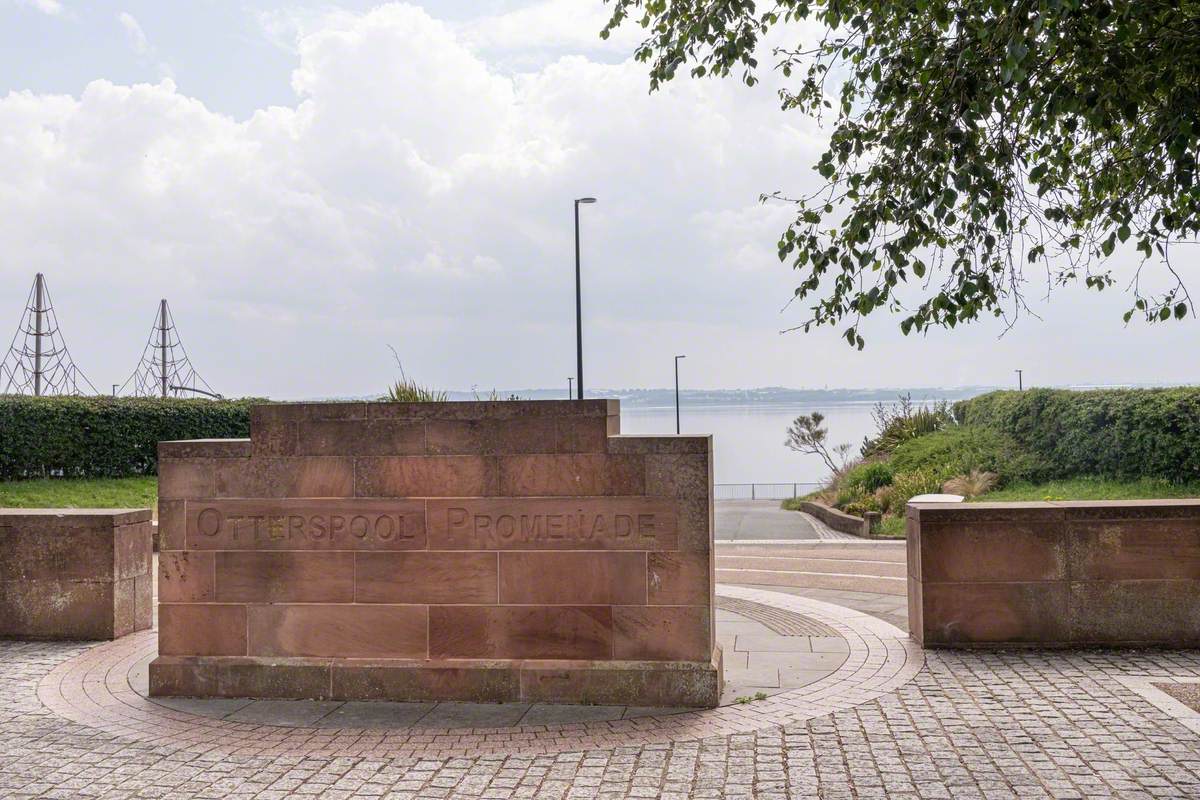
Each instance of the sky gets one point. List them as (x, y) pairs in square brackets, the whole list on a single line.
[(309, 183)]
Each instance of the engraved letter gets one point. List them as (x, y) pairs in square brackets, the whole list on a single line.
[(622, 525), (359, 526), (208, 523)]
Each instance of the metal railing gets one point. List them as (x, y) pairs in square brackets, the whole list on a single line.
[(762, 491)]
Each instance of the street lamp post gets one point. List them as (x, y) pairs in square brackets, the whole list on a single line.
[(570, 392), (677, 392), (579, 304), (1020, 380)]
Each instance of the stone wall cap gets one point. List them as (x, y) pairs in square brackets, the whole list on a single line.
[(449, 409), (120, 516)]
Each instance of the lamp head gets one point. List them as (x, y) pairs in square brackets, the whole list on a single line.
[(586, 200)]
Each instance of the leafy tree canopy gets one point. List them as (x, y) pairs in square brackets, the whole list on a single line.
[(971, 139)]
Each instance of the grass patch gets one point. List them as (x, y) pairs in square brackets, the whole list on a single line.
[(139, 492), (891, 527), (1092, 489)]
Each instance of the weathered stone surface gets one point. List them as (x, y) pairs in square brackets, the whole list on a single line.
[(436, 551), (74, 574), (541, 578), (425, 577), (627, 523), (339, 631), (201, 629), (284, 577), (519, 632), (300, 524), (1055, 574), (421, 476), (575, 475), (662, 633)]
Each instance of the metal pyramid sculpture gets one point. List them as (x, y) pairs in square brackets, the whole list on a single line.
[(38, 362), (164, 369)]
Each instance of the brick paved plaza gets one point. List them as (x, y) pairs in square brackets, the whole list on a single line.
[(889, 721)]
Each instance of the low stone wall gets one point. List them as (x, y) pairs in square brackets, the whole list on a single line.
[(493, 551), (74, 573), (838, 520), (1056, 574)]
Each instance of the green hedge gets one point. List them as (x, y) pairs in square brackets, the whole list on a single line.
[(105, 437), (1113, 433)]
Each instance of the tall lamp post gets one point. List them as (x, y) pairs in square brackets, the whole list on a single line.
[(579, 304), (1020, 379), (677, 392)]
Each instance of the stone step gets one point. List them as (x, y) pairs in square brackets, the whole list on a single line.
[(887, 569), (865, 550), (815, 580)]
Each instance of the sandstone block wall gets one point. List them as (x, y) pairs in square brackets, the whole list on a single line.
[(1055, 574), (74, 573), (491, 550)]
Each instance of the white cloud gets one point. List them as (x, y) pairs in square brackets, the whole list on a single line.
[(418, 195), (134, 33), (52, 8)]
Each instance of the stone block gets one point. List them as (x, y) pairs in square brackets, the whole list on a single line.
[(680, 579), (186, 576), (426, 577), (662, 633), (520, 632), (273, 678), (425, 476), (201, 629), (339, 631), (74, 574), (179, 479), (581, 578), (284, 577), (678, 475), (581, 434), (360, 437), (1025, 550), (476, 682), (1135, 612), (993, 613), (172, 525), (676, 684), (1151, 549), (318, 476), (573, 475), (57, 609)]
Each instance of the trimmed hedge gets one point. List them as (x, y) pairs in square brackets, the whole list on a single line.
[(1112, 433), (106, 437)]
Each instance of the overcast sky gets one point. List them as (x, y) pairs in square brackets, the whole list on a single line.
[(308, 183)]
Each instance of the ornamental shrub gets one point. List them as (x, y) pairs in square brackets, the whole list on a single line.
[(865, 478), (106, 437), (959, 449), (1112, 433)]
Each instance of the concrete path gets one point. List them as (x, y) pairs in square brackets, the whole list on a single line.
[(761, 519)]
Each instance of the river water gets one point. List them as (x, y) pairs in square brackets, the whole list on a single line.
[(748, 439)]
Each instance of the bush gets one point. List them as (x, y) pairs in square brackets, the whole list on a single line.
[(959, 449), (867, 477), (908, 485), (1113, 433), (105, 437), (901, 421)]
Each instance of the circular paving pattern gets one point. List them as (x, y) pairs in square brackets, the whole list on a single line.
[(94, 689)]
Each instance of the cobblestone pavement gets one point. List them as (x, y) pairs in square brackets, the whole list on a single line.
[(1028, 724)]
